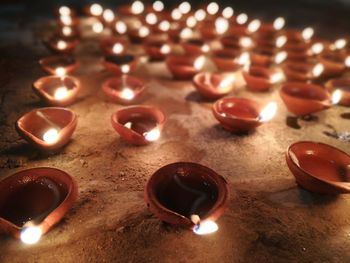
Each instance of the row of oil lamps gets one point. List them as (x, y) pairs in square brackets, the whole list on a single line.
[(30, 209)]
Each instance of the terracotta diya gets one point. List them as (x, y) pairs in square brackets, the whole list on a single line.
[(32, 201), (178, 192), (344, 86), (65, 46), (139, 125), (54, 64), (184, 67), (240, 115), (260, 78), (262, 57), (213, 86), (230, 42), (303, 99), (333, 64), (114, 45), (302, 71), (57, 91), (120, 64), (47, 128), (226, 59), (124, 89), (195, 47), (157, 49), (319, 167)]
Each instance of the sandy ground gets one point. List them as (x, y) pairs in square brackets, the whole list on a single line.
[(268, 217)]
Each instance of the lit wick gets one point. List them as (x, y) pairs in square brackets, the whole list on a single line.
[(31, 235), (212, 8), (279, 23), (152, 135), (280, 57), (242, 19), (121, 27), (281, 41), (125, 69), (226, 83), (185, 7), (61, 44), (268, 112), (96, 9), (64, 11), (221, 25), (317, 70), (66, 30), (203, 227), (254, 25), (117, 48), (316, 48), (199, 63), (307, 33), (336, 96), (165, 49), (347, 61), (227, 12), (158, 6), (137, 7)]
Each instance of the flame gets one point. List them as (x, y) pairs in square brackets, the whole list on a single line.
[(317, 70), (165, 49), (61, 93), (97, 27), (340, 43), (212, 8), (120, 27), (242, 19), (221, 25), (279, 23), (61, 44), (317, 48), (118, 48), (200, 15), (199, 63), (66, 20), (158, 6), (281, 41), (96, 9), (151, 19), (186, 33), (144, 31), (185, 7), (276, 77), (152, 135), (176, 14), (244, 59), (108, 15), (307, 33), (127, 94), (60, 71), (205, 48), (227, 83), (125, 69), (128, 125), (64, 11), (205, 227), (347, 61), (280, 57), (246, 42), (137, 7), (228, 12), (254, 25), (31, 235), (191, 21), (66, 30), (336, 96), (268, 112), (51, 136), (164, 25)]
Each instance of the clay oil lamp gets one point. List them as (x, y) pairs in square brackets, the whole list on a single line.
[(226, 59), (319, 167), (230, 42), (120, 64), (47, 128), (195, 47), (65, 46), (260, 79), (187, 194), (239, 115), (57, 90), (213, 86), (59, 65), (184, 67), (304, 99), (302, 71), (114, 46), (157, 50), (33, 201), (262, 57), (124, 89), (139, 125), (344, 86), (333, 63)]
